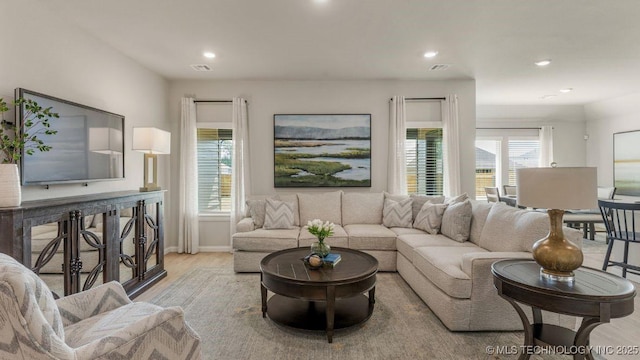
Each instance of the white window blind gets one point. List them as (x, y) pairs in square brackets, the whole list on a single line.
[(487, 165), (424, 161), (214, 170), (522, 154)]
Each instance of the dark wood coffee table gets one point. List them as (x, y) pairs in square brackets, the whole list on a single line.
[(321, 299), (595, 295)]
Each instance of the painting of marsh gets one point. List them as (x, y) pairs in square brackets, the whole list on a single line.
[(626, 163), (322, 150)]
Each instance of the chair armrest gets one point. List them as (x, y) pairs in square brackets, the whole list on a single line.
[(245, 225), (102, 298), (165, 329), (481, 261)]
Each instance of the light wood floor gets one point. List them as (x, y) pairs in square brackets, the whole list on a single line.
[(620, 332)]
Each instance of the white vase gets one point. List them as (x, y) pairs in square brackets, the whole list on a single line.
[(10, 190)]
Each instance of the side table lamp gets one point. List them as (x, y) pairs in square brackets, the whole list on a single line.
[(557, 189), (151, 141)]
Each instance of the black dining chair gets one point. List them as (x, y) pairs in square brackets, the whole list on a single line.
[(620, 222)]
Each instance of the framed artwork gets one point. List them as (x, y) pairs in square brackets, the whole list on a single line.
[(626, 163), (322, 150)]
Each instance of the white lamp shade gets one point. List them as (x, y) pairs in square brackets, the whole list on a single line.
[(561, 188), (105, 140), (151, 140)]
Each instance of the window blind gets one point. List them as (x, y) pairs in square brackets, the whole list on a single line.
[(425, 168), (522, 154), (214, 149)]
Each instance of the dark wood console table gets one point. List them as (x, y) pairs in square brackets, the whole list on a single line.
[(595, 295), (74, 243)]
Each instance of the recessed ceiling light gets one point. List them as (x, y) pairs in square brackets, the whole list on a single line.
[(548, 96), (209, 55), (566, 90), (430, 54), (543, 62), (320, 1)]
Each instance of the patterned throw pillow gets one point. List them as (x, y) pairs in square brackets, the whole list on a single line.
[(257, 210), (429, 218), (456, 199), (279, 215), (419, 200), (397, 213), (456, 221)]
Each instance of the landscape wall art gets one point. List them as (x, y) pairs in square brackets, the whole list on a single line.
[(322, 150), (626, 162)]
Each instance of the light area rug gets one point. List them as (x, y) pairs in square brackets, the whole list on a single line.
[(225, 309)]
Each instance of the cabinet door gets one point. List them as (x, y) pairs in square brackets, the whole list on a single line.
[(49, 240)]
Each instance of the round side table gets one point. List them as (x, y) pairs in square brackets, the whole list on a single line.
[(595, 295)]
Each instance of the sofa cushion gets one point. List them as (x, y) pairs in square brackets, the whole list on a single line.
[(324, 206), (511, 229), (419, 200), (456, 199), (456, 221), (362, 208), (480, 211), (443, 266), (429, 218), (406, 243), (397, 213), (403, 231), (278, 215), (266, 240), (257, 210), (370, 237), (293, 199), (339, 237)]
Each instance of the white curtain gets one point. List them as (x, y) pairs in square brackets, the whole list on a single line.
[(240, 185), (188, 236), (546, 146), (397, 167), (451, 144)]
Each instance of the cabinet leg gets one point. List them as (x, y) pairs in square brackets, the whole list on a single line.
[(263, 291)]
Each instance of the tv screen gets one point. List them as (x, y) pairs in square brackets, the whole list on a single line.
[(626, 163), (89, 145)]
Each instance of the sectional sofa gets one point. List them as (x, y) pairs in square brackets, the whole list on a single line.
[(448, 267)]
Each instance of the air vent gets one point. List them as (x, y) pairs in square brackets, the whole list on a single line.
[(439, 67), (201, 67)]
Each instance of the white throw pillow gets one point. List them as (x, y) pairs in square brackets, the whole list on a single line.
[(511, 229), (456, 221), (429, 218), (419, 200), (456, 199), (257, 211), (397, 213), (279, 215)]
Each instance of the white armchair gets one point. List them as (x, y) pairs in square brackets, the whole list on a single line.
[(101, 323)]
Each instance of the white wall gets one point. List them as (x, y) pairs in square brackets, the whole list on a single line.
[(267, 98), (568, 121), (44, 53)]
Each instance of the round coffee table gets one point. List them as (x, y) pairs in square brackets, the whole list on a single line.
[(320, 299)]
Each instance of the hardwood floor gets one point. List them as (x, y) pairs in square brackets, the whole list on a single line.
[(623, 332)]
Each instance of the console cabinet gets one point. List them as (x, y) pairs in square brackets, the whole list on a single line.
[(75, 243)]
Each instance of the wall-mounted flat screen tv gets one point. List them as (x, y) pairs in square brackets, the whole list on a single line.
[(89, 145), (626, 162)]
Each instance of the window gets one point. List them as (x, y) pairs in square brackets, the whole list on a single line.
[(214, 170), (425, 167), (500, 152)]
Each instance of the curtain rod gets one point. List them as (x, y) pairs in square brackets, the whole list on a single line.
[(424, 99), (510, 128), (216, 101)]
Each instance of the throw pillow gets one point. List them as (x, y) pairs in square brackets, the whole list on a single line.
[(397, 213), (456, 199), (511, 229), (419, 200), (257, 210), (456, 221), (429, 218), (278, 214)]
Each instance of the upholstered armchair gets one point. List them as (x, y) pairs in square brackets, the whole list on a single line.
[(101, 323)]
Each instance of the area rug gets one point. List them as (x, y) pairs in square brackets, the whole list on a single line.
[(224, 308)]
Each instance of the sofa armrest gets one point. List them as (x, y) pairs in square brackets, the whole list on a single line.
[(102, 298), (245, 225), (472, 263)]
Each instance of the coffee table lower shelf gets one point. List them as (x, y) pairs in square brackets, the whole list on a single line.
[(311, 315)]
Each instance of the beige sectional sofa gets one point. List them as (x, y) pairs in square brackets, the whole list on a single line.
[(453, 277)]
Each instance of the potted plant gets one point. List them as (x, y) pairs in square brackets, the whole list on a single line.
[(14, 140)]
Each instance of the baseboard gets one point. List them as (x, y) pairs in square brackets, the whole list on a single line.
[(174, 249)]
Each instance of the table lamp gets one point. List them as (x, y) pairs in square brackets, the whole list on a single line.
[(151, 141), (557, 189)]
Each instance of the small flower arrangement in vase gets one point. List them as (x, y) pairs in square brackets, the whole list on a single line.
[(320, 230)]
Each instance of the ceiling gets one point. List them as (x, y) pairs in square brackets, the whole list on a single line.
[(594, 44)]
